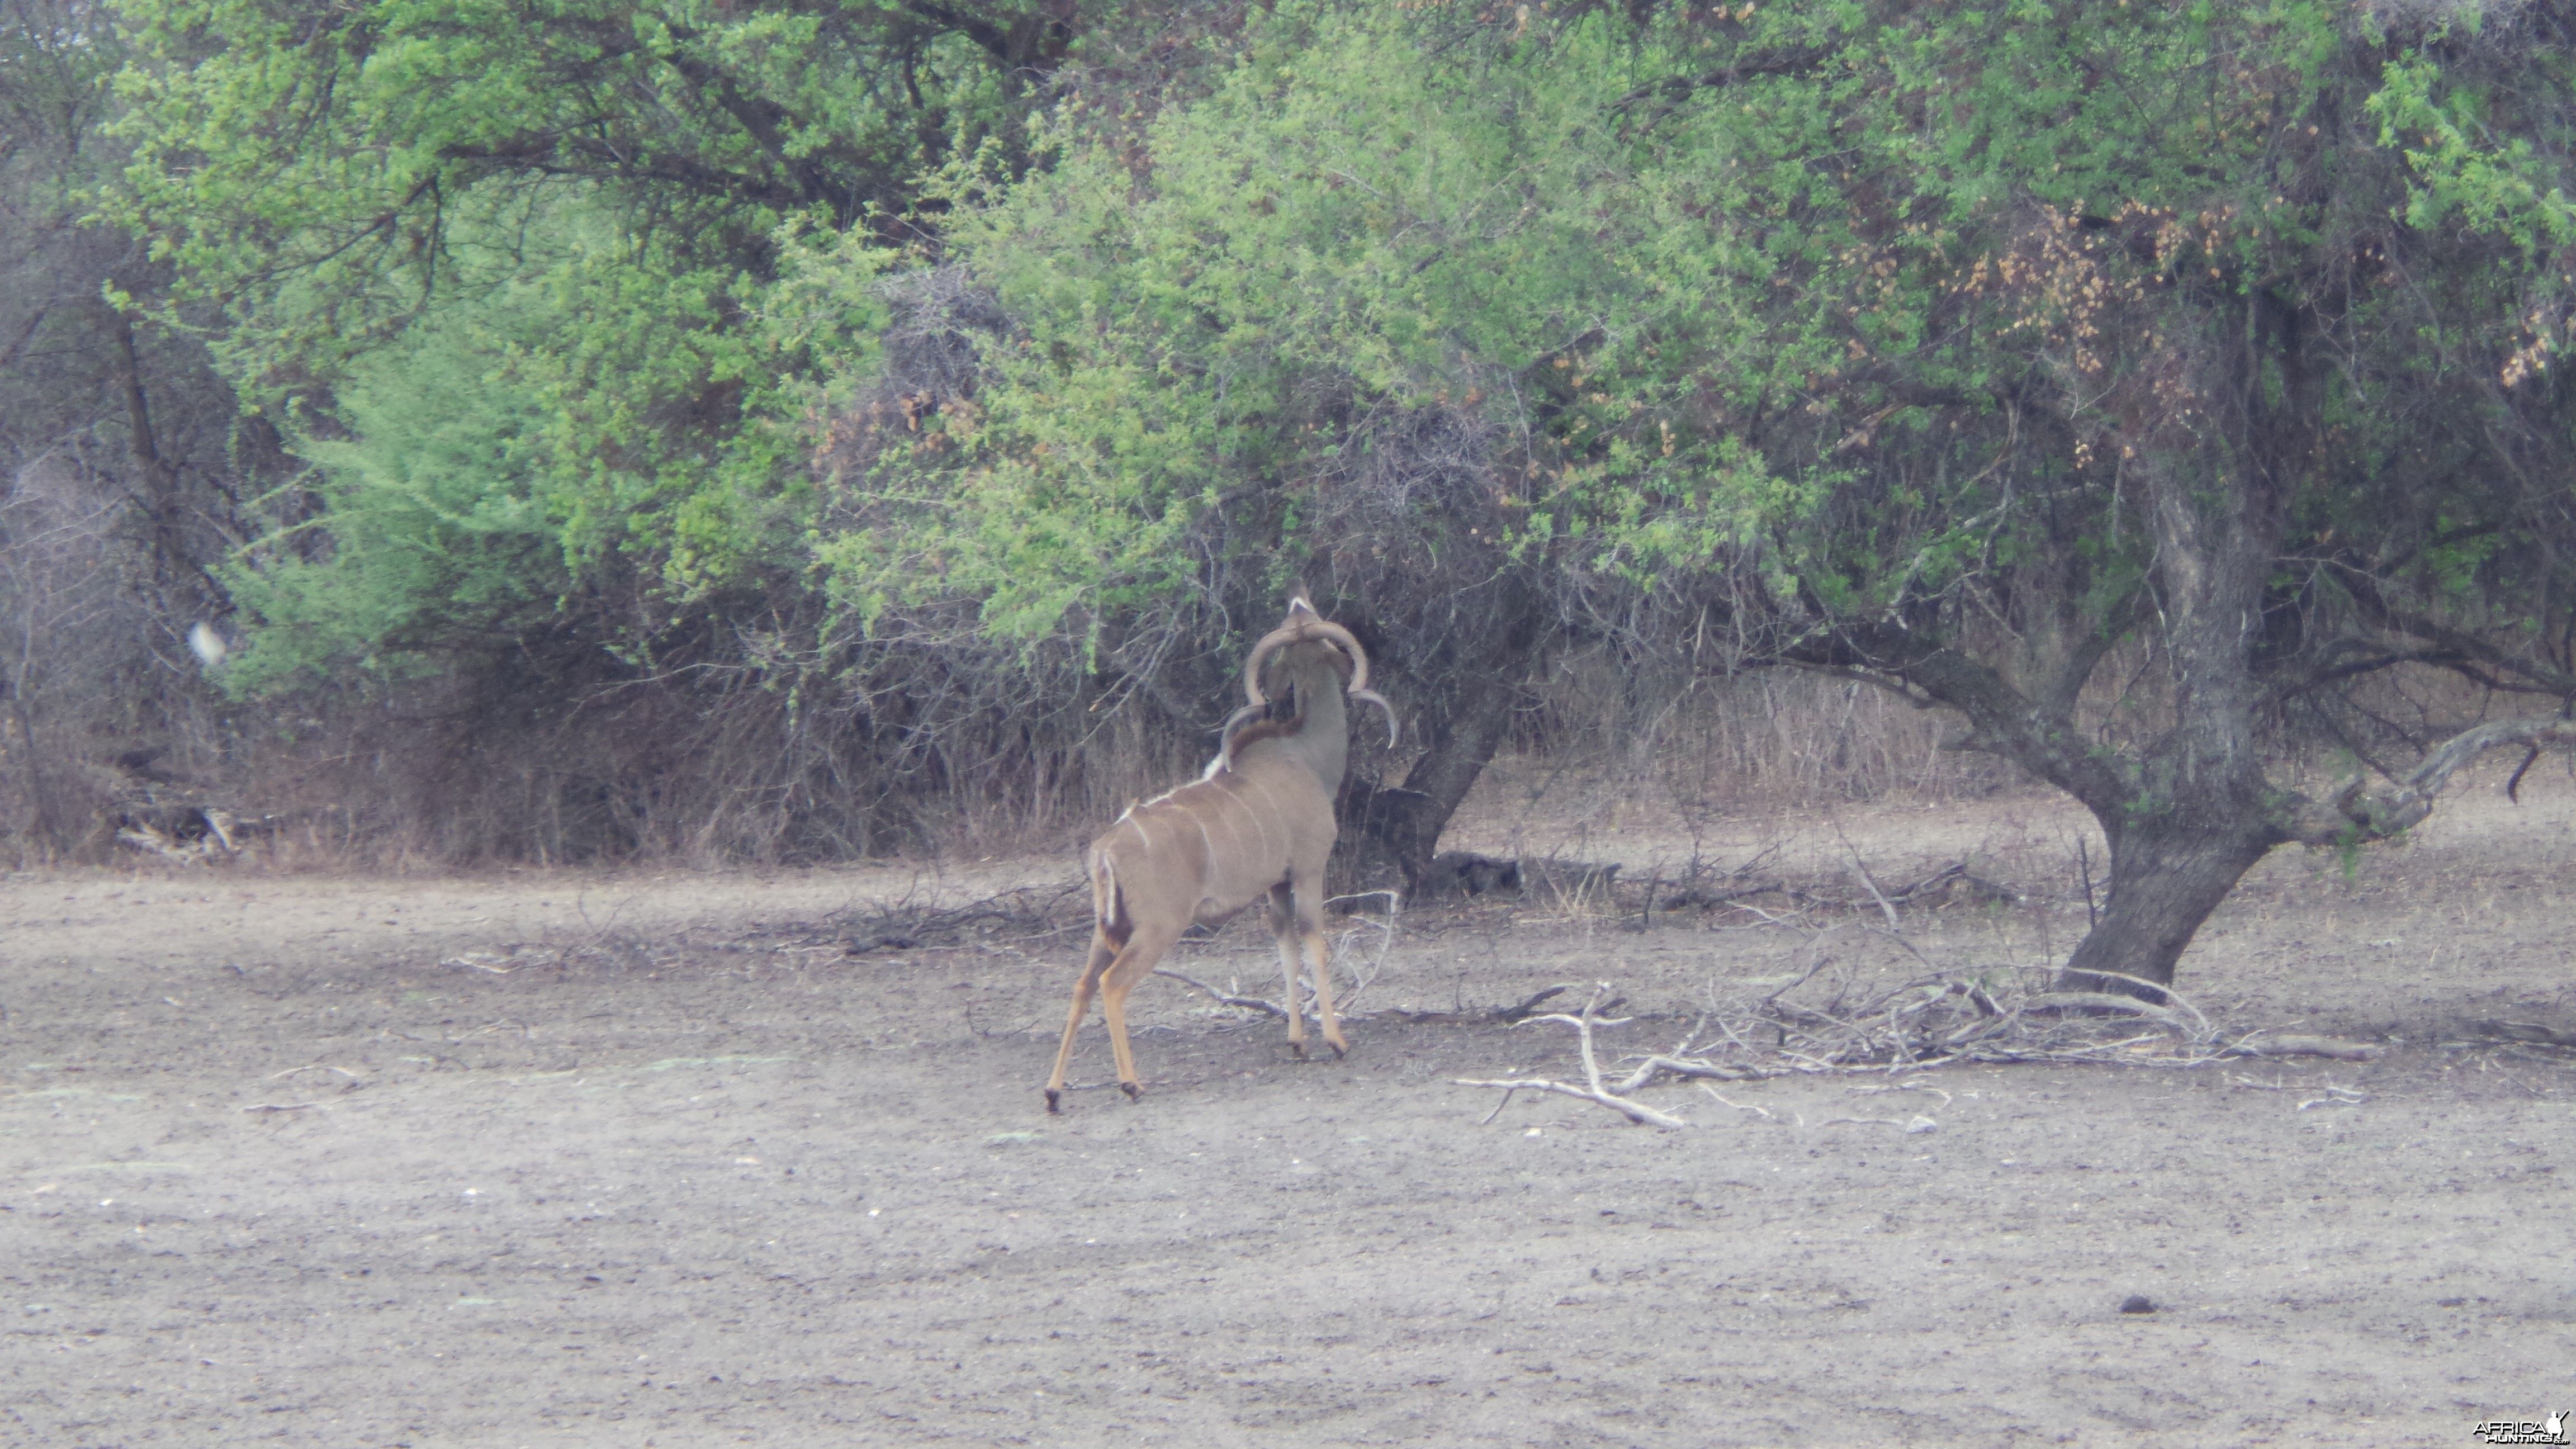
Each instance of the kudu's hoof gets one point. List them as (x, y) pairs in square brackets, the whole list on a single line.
[(1052, 1107), (1134, 1092), (1297, 1049)]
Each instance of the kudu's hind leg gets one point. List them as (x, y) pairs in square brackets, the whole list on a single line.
[(1103, 951), (1144, 948), (1283, 929), (1310, 937)]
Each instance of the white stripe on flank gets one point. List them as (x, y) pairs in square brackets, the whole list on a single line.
[(1234, 832), (1272, 801), (1258, 827)]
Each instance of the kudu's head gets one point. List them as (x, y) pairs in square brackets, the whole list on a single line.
[(1319, 664)]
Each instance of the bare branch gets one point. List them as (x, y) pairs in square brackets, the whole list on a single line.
[(1226, 998), (1860, 872), (2352, 814), (1594, 1091), (1637, 1112)]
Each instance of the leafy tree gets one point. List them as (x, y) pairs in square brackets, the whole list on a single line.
[(1344, 316), (1947, 350), (501, 272), (328, 172), (2254, 397), (583, 196), (116, 493)]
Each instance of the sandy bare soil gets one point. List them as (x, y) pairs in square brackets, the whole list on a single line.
[(654, 1160)]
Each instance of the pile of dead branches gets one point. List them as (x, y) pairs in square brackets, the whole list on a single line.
[(1739, 889), (1828, 1017), (1824, 1020)]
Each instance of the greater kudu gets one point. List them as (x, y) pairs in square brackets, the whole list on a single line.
[(1258, 822)]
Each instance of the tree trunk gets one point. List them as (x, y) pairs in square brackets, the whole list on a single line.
[(44, 827), (2214, 477), (160, 498), (2166, 878), (1404, 822)]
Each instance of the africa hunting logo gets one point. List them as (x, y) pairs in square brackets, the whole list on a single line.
[(2511, 1431)]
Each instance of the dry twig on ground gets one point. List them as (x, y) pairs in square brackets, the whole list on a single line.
[(1226, 998), (1594, 1091), (1512, 1015), (2525, 1033)]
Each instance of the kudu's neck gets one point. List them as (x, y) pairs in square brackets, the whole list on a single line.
[(1323, 737)]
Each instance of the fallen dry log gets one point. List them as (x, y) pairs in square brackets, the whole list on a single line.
[(2337, 1048), (2526, 1033), (1946, 883)]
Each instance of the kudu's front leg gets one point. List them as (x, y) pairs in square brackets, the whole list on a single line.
[(1299, 929)]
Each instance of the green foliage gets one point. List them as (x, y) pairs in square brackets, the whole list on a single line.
[(1340, 237), (1867, 312), (440, 533), (54, 55), (330, 174), (503, 267), (562, 437), (2462, 167), (1853, 333)]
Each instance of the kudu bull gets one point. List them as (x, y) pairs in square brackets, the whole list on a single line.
[(1258, 823)]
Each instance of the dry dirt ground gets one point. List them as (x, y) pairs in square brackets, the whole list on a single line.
[(556, 1159)]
